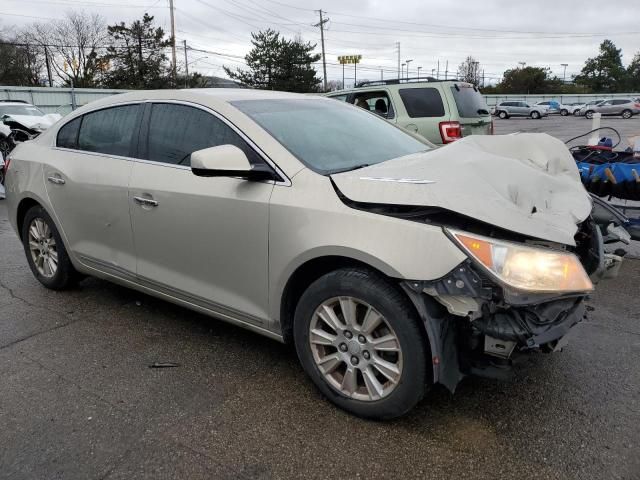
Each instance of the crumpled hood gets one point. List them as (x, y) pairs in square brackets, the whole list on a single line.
[(37, 123), (526, 183)]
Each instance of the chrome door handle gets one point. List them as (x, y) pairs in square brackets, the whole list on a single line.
[(146, 201), (56, 180)]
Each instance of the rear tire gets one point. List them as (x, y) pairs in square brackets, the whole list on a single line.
[(627, 114), (348, 349), (46, 254), (535, 115), (503, 115), (589, 114)]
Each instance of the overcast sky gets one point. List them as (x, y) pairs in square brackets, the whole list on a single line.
[(498, 33)]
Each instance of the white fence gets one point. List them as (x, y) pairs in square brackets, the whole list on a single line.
[(62, 100), (55, 100)]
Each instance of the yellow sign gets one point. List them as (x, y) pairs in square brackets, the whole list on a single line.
[(349, 59)]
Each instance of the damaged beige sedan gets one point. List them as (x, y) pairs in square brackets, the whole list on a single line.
[(391, 265)]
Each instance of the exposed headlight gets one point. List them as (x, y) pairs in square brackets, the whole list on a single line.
[(525, 268)]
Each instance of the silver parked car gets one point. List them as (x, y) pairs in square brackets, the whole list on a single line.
[(520, 109), (391, 265), (624, 107)]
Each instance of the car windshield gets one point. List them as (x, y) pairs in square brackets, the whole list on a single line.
[(25, 110), (469, 101), (329, 136)]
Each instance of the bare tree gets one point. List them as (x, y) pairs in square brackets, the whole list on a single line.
[(469, 70), (333, 85), (73, 45)]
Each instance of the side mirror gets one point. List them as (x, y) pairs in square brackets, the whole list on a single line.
[(227, 161)]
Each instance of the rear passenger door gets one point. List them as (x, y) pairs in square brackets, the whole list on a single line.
[(203, 240), (421, 109), (87, 179)]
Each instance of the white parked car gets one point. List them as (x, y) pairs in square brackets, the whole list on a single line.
[(20, 121)]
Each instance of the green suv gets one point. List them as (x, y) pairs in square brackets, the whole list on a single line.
[(440, 110)]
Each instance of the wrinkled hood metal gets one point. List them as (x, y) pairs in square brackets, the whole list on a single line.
[(525, 183), (36, 123)]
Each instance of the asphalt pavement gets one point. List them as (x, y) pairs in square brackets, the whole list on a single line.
[(78, 399)]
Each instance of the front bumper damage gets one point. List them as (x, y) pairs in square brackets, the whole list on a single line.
[(477, 327)]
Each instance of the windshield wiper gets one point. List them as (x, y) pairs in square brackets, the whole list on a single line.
[(350, 169)]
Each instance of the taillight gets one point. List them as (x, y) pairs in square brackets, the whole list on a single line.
[(637, 105), (450, 131)]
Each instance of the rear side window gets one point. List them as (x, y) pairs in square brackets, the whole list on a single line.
[(341, 98), (109, 131), (621, 101), (422, 102), (68, 134), (469, 101), (176, 131)]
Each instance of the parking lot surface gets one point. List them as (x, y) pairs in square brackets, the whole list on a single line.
[(568, 127)]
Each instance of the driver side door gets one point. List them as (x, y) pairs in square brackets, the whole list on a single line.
[(202, 240)]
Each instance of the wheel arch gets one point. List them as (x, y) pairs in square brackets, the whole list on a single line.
[(309, 271)]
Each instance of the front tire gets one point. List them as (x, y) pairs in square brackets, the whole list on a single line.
[(503, 115), (627, 114), (359, 339), (589, 114), (535, 115), (564, 112), (46, 254)]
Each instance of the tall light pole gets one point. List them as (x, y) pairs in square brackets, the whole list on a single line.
[(564, 74), (522, 64), (419, 68), (408, 62), (402, 71), (433, 72)]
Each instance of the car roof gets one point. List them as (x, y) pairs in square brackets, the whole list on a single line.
[(212, 97), (381, 84)]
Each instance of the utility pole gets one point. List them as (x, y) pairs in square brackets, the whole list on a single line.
[(419, 68), (399, 71), (46, 58), (186, 65), (564, 75), (446, 70), (343, 87), (173, 45), (324, 61), (438, 71), (402, 72), (381, 74)]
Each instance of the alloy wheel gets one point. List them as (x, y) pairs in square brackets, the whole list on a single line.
[(626, 114), (43, 248), (355, 349)]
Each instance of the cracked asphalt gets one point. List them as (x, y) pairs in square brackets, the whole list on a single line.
[(79, 401)]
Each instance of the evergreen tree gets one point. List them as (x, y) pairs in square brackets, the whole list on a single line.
[(136, 58), (276, 63), (604, 73)]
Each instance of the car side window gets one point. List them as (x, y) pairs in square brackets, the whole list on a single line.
[(109, 130), (377, 102), (341, 98), (620, 102), (176, 131), (422, 102), (68, 134)]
